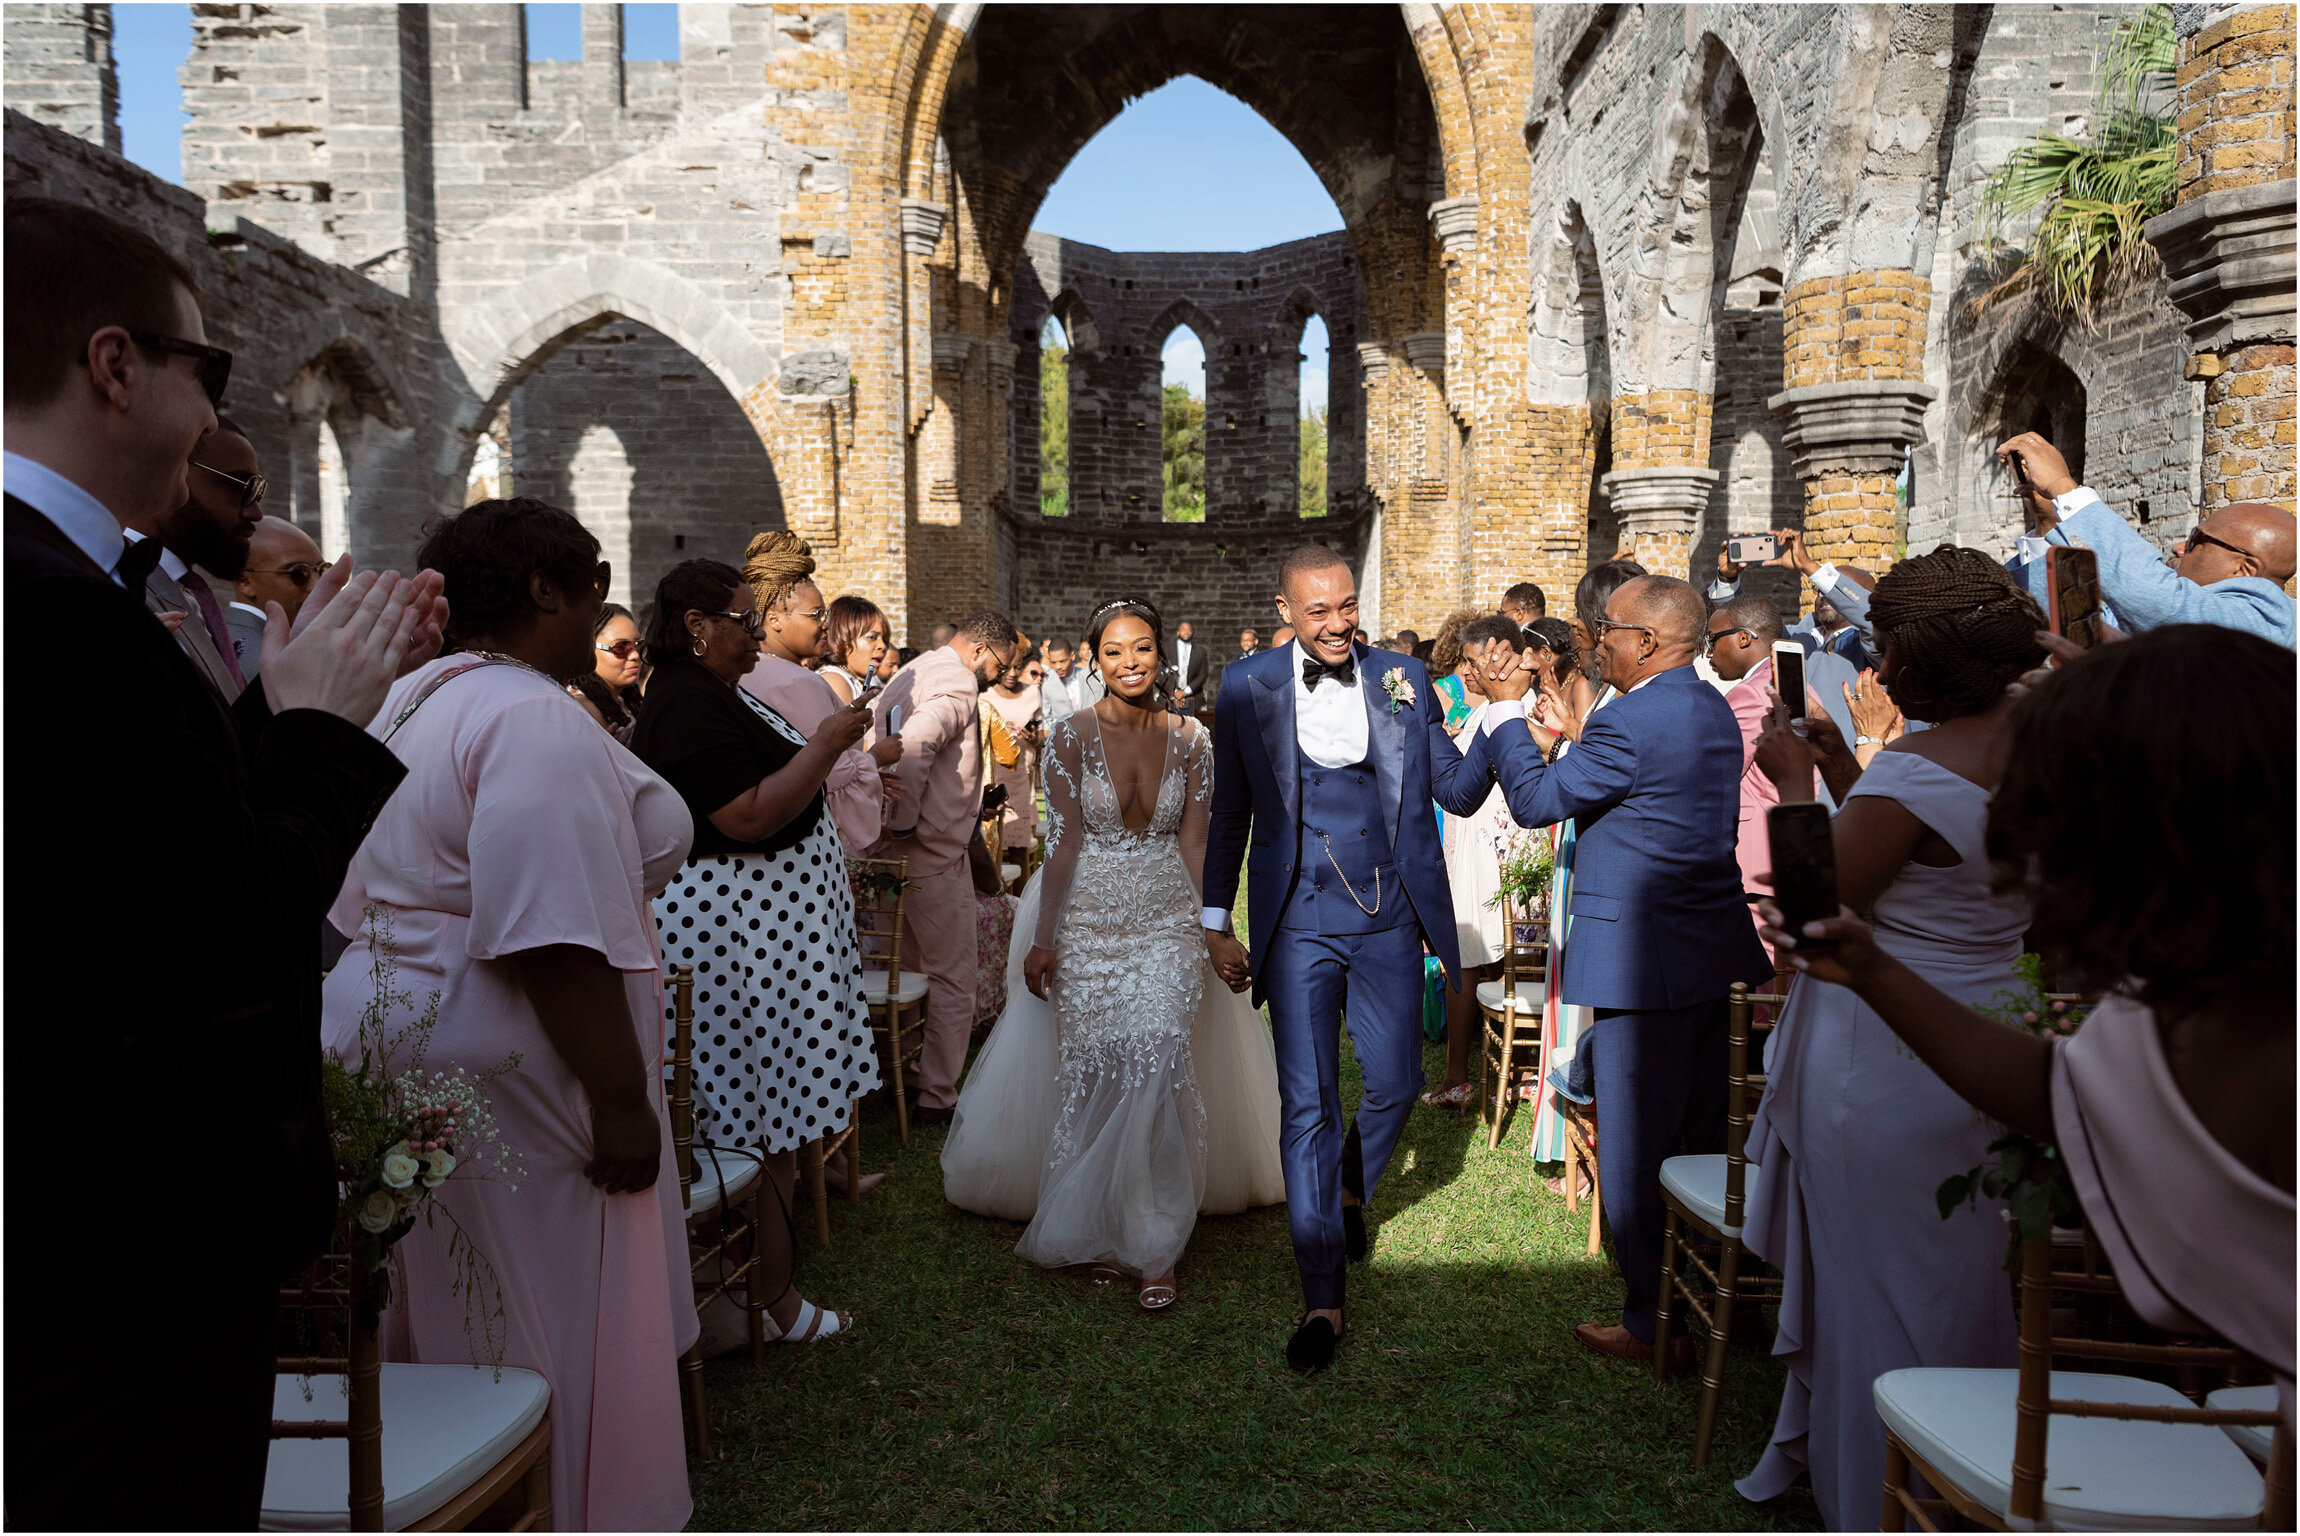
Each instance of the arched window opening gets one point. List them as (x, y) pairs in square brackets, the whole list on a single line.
[(1312, 444), (334, 495), (1053, 419), (1182, 467), (600, 476)]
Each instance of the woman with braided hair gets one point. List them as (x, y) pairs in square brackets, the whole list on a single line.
[(1855, 1133)]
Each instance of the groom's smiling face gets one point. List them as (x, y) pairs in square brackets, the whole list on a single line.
[(1322, 606)]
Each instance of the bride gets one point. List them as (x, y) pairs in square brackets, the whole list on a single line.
[(1148, 1092)]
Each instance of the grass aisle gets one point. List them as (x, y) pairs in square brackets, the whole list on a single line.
[(980, 1393)]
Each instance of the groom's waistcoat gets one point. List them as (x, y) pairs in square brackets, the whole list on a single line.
[(1345, 845)]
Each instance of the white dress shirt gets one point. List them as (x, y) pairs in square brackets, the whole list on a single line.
[(170, 561), (80, 517), (1181, 665), (1330, 726)]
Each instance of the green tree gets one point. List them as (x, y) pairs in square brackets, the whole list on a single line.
[(1313, 464), (1183, 476), (1053, 429), (2094, 196)]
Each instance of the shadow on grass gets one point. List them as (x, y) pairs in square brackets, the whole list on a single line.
[(977, 1392)]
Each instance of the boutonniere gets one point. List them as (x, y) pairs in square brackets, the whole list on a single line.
[(1395, 685)]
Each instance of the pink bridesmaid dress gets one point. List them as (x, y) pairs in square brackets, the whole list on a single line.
[(522, 824)]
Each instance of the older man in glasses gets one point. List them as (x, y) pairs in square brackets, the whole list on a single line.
[(2229, 571), (283, 562)]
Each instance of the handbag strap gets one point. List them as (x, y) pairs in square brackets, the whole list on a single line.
[(430, 688)]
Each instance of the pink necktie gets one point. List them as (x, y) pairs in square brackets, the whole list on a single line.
[(213, 611)]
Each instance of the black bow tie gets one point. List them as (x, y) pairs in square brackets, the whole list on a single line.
[(1315, 672), (137, 562)]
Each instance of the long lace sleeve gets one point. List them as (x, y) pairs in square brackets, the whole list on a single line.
[(1065, 826), (1197, 798)]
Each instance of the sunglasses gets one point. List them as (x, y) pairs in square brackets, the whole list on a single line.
[(252, 487), (215, 364), (2199, 536), (621, 650), (754, 623), (1710, 646), (302, 572)]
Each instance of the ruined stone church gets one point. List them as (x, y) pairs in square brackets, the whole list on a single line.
[(1613, 278)]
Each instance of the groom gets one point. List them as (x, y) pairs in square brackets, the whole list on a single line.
[(1326, 758)]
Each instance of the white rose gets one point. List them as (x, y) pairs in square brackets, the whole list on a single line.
[(438, 1165), (378, 1211), (400, 1167)]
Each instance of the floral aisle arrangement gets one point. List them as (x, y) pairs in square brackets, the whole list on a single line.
[(399, 1136), (1528, 859), (2028, 1174)]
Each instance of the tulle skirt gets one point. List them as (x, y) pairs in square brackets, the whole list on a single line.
[(1166, 1136)]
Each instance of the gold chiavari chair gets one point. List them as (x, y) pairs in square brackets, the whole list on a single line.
[(2040, 1449), (820, 1151), (363, 1446), (1510, 1035), (897, 1001), (723, 1190), (1704, 1194)]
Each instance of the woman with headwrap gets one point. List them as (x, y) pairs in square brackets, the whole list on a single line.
[(780, 568), (1855, 1134)]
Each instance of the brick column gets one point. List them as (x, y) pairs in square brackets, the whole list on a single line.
[(1563, 448), (1853, 361), (2227, 244), (1661, 478)]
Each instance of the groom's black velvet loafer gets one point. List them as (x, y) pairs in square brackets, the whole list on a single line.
[(1354, 1232), (1312, 1346)]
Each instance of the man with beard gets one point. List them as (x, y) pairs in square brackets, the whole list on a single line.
[(212, 529)]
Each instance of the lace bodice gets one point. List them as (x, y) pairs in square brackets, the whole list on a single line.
[(1087, 838)]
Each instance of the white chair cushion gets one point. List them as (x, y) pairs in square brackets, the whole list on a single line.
[(1698, 1182), (1009, 873), (2253, 1438), (913, 988), (720, 1176), (1529, 994), (444, 1428), (2100, 1474)]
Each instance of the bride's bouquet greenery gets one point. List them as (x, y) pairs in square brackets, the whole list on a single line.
[(2028, 1174), (883, 884), (399, 1136)]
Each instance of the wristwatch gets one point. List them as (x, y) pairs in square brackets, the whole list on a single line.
[(1868, 741)]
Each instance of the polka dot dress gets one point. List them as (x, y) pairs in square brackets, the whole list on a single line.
[(782, 1042)]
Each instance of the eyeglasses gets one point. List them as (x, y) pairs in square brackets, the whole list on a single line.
[(1709, 647), (302, 572), (816, 614), (215, 364), (753, 624), (1603, 625), (252, 487), (621, 650), (2199, 536), (604, 576)]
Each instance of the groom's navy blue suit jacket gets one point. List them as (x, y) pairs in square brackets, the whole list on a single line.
[(1653, 791), (1257, 792)]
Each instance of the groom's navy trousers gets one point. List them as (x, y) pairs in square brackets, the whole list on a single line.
[(1329, 959)]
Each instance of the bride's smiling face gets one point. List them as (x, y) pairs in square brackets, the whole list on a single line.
[(1128, 653)]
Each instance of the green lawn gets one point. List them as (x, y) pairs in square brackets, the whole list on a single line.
[(979, 1393)]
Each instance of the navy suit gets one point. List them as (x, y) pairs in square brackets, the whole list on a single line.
[(1660, 932), (1346, 884)]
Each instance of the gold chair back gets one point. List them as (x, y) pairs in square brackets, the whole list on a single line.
[(325, 1301), (880, 887)]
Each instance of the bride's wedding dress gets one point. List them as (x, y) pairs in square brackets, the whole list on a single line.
[(1159, 1098)]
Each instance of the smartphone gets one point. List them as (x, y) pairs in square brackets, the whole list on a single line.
[(1804, 866), (1751, 548), (2020, 471), (870, 685), (894, 719), (1789, 676), (2072, 581)]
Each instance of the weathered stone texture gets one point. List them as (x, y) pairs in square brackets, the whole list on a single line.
[(59, 70)]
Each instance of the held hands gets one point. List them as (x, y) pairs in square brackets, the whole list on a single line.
[(627, 1147), (1508, 673), (1038, 971), (1230, 959), (353, 638)]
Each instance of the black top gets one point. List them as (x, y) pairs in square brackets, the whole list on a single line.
[(713, 743)]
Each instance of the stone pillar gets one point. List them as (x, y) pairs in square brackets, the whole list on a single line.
[(1563, 444), (1853, 364), (1660, 510), (60, 71), (1454, 221), (999, 412), (922, 226), (2227, 244)]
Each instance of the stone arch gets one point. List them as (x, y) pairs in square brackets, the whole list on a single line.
[(2036, 375), (625, 427), (1569, 345), (497, 342), (348, 432), (1076, 316), (1183, 312)]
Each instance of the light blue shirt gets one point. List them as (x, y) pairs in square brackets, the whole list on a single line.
[(80, 517), (2146, 592)]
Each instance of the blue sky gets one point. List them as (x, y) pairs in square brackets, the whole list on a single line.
[(1184, 168)]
